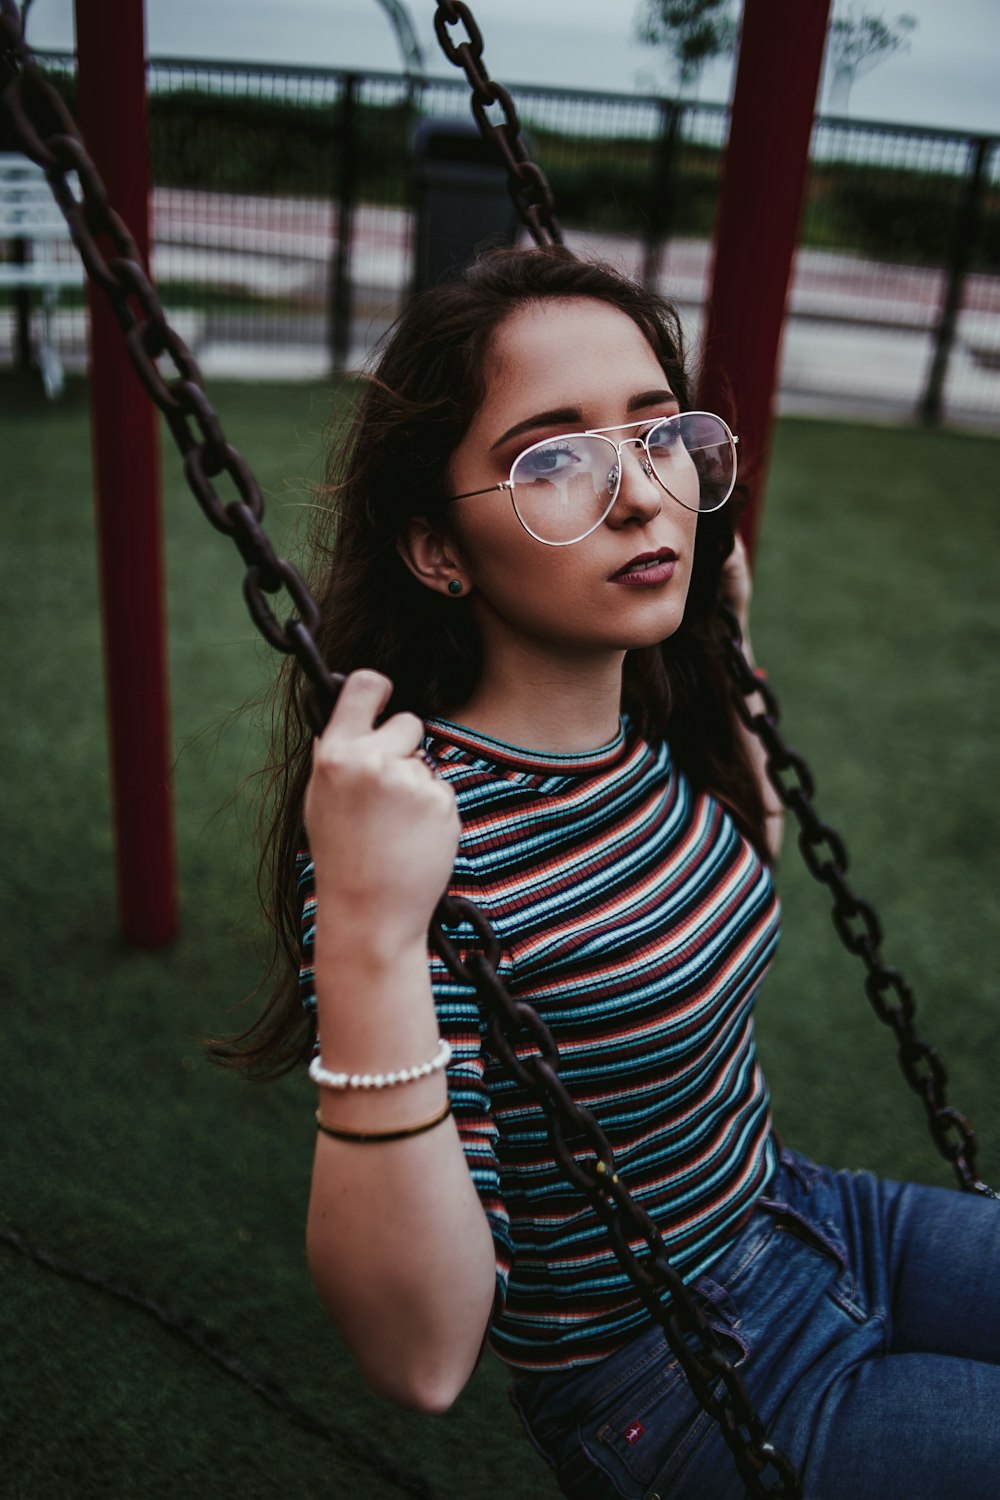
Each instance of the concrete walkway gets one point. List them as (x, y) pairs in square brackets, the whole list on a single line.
[(858, 339)]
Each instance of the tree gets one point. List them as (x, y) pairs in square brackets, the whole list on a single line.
[(692, 31), (860, 39)]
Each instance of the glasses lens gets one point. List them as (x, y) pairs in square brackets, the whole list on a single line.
[(564, 488), (694, 458)]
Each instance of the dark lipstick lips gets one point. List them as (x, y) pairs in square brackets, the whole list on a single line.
[(665, 554)]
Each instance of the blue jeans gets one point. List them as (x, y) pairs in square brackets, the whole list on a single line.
[(865, 1320)]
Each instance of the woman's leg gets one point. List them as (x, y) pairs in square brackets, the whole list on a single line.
[(824, 1299), (908, 1427), (880, 1378), (918, 1415), (945, 1274)]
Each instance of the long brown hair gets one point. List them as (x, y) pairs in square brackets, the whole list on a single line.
[(428, 384)]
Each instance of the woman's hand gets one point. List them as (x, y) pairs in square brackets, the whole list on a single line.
[(382, 828), (412, 1306), (736, 584)]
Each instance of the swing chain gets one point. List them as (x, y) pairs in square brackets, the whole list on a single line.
[(855, 920), (36, 110), (527, 184), (526, 1050), (48, 134)]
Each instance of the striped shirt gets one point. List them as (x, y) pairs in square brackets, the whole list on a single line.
[(638, 922)]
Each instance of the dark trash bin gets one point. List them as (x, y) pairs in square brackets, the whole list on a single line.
[(462, 199)]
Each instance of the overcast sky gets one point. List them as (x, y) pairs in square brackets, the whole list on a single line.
[(950, 76)]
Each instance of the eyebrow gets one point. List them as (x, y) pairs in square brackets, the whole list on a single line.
[(563, 414)]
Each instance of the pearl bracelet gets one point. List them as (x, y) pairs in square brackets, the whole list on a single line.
[(328, 1080)]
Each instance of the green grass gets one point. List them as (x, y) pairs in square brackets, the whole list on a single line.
[(124, 1152)]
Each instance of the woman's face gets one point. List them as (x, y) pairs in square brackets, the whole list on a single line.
[(555, 367)]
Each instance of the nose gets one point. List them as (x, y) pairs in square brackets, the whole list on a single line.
[(640, 496)]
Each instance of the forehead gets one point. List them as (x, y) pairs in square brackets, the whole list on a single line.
[(572, 352)]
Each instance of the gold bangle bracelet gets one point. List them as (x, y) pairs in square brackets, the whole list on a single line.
[(363, 1137)]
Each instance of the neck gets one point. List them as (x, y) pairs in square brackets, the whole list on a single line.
[(560, 704)]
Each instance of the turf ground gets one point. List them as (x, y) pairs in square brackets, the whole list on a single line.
[(126, 1155)]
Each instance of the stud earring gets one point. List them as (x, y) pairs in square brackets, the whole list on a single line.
[(454, 587)]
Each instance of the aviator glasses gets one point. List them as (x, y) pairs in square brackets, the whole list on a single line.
[(562, 488)]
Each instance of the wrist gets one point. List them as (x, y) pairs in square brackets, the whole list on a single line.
[(377, 1020), (369, 932), (365, 961)]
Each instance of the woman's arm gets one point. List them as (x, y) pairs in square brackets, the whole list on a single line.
[(737, 589), (398, 1244)]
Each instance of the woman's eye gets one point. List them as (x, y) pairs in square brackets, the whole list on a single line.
[(662, 437), (545, 463)]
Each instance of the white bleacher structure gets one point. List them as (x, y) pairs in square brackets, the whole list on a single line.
[(32, 230)]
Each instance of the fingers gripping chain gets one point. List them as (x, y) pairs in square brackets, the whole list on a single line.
[(46, 132), (520, 1039)]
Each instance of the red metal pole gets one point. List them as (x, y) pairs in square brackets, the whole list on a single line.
[(763, 183), (111, 96)]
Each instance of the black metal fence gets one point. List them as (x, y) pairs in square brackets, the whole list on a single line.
[(286, 223)]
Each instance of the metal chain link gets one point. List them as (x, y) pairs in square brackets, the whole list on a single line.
[(515, 1029), (855, 920), (527, 184), (526, 1050), (49, 136)]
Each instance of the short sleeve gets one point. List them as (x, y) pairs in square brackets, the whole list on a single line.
[(306, 888), (464, 1026), (461, 1025)]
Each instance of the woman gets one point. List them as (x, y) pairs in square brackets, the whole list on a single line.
[(526, 542)]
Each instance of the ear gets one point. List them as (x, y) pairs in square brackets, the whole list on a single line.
[(432, 558)]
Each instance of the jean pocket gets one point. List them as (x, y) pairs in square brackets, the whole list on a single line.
[(633, 1443), (823, 1237), (549, 1404), (655, 1427)]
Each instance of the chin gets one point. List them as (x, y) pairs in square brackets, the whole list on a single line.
[(656, 632)]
